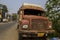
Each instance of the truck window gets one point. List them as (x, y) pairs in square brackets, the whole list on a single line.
[(33, 12)]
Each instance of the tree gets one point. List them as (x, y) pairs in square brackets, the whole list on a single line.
[(14, 16), (4, 8), (53, 13)]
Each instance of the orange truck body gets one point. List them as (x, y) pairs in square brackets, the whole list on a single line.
[(28, 25)]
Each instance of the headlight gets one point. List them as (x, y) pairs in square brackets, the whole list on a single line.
[(50, 26), (25, 26)]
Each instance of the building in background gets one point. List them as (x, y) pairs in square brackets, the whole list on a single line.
[(0, 13), (3, 15)]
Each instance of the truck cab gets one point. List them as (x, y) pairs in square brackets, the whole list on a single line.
[(32, 22)]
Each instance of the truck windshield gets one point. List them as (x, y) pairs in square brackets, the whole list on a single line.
[(33, 12)]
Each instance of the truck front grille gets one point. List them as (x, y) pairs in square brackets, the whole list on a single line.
[(39, 24)]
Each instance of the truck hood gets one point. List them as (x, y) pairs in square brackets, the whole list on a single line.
[(34, 17)]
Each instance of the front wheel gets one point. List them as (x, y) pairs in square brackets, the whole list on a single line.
[(41, 38), (20, 37)]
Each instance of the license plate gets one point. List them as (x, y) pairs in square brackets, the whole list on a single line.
[(40, 34)]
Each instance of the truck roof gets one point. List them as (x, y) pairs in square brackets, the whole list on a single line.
[(31, 6)]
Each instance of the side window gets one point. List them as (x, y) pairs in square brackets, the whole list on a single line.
[(39, 14)]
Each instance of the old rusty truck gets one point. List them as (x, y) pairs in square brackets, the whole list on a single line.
[(32, 22)]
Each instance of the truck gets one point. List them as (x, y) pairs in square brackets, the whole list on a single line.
[(33, 23)]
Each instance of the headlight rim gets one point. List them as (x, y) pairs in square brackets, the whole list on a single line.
[(25, 26)]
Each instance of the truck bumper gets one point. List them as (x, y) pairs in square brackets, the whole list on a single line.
[(22, 34)]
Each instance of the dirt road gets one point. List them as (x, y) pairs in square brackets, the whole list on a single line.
[(10, 34)]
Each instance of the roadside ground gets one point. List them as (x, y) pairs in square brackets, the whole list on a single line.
[(10, 34), (5, 22)]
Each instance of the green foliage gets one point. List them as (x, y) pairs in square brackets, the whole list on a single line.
[(53, 13), (4, 8), (14, 16), (57, 26), (52, 35)]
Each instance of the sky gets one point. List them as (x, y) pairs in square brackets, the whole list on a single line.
[(14, 5)]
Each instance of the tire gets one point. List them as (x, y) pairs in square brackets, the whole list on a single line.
[(20, 36), (41, 39)]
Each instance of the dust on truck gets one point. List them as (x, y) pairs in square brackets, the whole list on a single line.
[(32, 21)]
